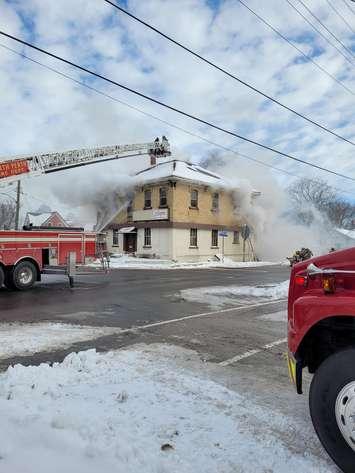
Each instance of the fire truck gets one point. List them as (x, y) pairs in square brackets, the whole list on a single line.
[(27, 254), (321, 337)]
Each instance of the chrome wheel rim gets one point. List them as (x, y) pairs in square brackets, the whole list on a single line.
[(25, 276), (345, 413)]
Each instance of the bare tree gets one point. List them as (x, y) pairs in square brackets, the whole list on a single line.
[(309, 196), (7, 215)]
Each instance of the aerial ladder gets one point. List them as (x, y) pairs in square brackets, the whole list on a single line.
[(19, 167), (27, 254)]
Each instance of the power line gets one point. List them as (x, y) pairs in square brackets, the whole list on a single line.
[(319, 31), (229, 74), (340, 16), (350, 8), (326, 28), (143, 112), (309, 58), (174, 109)]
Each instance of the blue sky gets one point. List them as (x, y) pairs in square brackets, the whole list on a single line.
[(96, 35)]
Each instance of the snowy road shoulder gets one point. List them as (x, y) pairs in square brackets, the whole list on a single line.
[(20, 339), (121, 261), (220, 296), (150, 408)]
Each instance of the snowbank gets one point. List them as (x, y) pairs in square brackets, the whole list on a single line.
[(25, 339), (218, 296), (139, 410), (120, 261)]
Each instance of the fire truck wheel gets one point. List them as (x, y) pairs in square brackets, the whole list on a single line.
[(2, 277), (24, 275), (332, 406)]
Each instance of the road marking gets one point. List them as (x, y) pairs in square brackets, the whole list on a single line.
[(249, 353), (203, 314)]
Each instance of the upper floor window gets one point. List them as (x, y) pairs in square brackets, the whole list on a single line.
[(215, 201), (193, 237), (130, 211), (148, 199), (163, 199), (194, 199), (114, 237), (236, 237), (147, 237), (214, 238)]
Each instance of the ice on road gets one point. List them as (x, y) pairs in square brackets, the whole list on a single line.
[(219, 296), (146, 409)]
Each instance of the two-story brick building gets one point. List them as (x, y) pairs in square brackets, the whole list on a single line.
[(178, 212)]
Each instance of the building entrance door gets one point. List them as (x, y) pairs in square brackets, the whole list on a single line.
[(130, 242)]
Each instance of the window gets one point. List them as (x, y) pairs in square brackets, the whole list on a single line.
[(214, 238), (215, 201), (193, 237), (114, 237), (130, 211), (148, 237), (148, 199), (163, 201), (194, 199), (236, 237)]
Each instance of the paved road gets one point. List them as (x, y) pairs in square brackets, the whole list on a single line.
[(245, 344), (124, 298)]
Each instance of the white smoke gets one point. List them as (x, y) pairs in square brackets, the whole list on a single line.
[(269, 213)]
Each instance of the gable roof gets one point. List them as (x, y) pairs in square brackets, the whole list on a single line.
[(176, 169), (40, 219)]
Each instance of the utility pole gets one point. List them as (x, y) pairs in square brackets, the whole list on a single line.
[(18, 204)]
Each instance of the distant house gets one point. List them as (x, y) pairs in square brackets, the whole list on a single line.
[(45, 219), (180, 211)]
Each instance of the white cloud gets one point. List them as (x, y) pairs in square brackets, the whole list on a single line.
[(42, 111)]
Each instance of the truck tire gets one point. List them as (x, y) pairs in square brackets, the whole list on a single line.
[(23, 276), (2, 277), (332, 407)]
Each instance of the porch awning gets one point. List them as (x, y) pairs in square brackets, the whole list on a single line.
[(127, 230)]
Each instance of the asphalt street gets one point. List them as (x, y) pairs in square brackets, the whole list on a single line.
[(244, 342)]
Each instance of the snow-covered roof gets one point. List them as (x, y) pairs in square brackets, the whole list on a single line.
[(348, 233), (37, 219), (177, 169)]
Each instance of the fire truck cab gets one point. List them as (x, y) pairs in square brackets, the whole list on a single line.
[(26, 255), (321, 337)]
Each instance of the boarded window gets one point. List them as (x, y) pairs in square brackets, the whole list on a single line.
[(215, 201), (163, 200), (147, 237), (236, 237), (193, 237), (194, 199), (148, 199), (214, 238), (115, 238)]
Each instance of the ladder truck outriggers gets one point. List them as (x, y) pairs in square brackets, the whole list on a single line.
[(27, 254)]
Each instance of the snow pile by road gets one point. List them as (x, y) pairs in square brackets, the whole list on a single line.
[(18, 339), (120, 261), (219, 296), (139, 410)]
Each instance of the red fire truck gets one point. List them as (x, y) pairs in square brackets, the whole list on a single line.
[(25, 255), (321, 337)]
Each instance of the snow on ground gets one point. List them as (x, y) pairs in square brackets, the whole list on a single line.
[(219, 296), (24, 339), (145, 409), (120, 261)]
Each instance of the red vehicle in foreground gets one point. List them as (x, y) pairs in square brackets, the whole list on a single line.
[(321, 337), (25, 255)]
